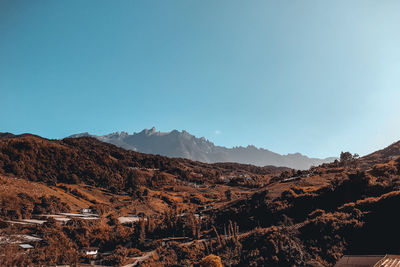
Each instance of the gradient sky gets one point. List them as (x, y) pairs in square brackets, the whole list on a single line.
[(314, 77)]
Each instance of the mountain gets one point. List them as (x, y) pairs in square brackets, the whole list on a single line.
[(184, 145)]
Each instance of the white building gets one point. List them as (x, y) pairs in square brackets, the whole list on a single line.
[(26, 246), (91, 251)]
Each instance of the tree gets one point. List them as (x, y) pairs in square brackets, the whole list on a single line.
[(345, 157), (211, 261)]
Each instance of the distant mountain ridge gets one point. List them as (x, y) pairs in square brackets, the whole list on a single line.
[(182, 144)]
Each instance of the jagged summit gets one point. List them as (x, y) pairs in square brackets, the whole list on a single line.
[(148, 131), (182, 144)]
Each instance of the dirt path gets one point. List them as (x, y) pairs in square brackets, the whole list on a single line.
[(144, 257)]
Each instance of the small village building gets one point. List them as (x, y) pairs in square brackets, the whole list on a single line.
[(291, 179), (18, 239), (34, 221), (369, 261), (130, 219), (86, 210), (18, 222), (92, 216), (62, 220), (26, 246), (90, 251)]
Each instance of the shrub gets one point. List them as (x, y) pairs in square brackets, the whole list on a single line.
[(211, 261)]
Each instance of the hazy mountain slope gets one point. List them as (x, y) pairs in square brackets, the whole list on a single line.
[(184, 145)]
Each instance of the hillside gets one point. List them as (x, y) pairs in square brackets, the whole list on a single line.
[(388, 153), (184, 145), (87, 160), (185, 210)]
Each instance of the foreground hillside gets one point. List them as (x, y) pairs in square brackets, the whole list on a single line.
[(157, 211), (184, 145)]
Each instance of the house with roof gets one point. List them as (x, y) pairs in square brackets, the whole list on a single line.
[(86, 210), (369, 261), (26, 246), (90, 251)]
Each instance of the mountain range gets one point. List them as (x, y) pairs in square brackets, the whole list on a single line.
[(182, 144)]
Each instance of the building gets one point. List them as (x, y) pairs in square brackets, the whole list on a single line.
[(26, 246), (87, 210), (290, 179), (19, 239), (369, 261), (130, 219), (90, 251)]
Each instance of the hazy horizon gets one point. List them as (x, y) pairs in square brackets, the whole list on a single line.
[(307, 76), (231, 147), (208, 139)]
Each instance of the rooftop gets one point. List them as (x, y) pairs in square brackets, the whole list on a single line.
[(25, 246), (369, 261)]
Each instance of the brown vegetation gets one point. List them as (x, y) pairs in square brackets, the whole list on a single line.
[(189, 215)]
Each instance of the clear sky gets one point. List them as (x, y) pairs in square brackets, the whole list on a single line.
[(315, 77)]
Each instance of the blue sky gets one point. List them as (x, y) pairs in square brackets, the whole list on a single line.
[(315, 77)]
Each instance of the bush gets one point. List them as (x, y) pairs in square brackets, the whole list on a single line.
[(211, 261)]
